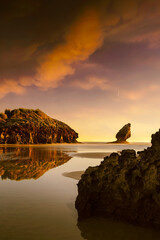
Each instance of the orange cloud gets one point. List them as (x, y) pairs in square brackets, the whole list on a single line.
[(153, 38), (93, 82), (9, 85), (83, 38), (136, 95)]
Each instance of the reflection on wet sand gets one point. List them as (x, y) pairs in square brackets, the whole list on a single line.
[(100, 229), (26, 163)]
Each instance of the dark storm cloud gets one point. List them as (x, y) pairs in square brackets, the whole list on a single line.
[(29, 29)]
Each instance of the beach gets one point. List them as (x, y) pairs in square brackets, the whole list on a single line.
[(43, 204)]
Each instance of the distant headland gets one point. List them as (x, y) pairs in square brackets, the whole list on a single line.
[(28, 126)]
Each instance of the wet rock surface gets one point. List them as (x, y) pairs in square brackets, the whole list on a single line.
[(27, 126), (125, 186)]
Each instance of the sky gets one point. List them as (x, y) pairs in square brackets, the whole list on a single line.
[(94, 65)]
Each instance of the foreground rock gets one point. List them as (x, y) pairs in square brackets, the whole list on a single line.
[(27, 126), (124, 186)]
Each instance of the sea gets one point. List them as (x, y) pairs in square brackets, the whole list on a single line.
[(38, 193)]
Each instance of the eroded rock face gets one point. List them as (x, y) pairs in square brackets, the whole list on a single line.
[(124, 186), (124, 133), (27, 126)]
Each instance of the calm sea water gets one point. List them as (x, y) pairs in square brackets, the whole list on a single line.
[(37, 201)]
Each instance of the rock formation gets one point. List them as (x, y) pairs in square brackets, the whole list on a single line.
[(123, 134), (27, 126), (125, 186), (21, 163)]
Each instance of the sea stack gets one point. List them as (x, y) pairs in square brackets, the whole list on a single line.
[(125, 186), (28, 126), (123, 134)]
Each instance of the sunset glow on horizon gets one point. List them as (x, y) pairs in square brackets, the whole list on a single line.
[(93, 65)]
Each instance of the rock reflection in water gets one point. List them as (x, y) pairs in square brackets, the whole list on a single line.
[(26, 163), (100, 229)]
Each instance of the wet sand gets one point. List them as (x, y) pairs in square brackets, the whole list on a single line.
[(92, 154), (96, 155), (75, 175)]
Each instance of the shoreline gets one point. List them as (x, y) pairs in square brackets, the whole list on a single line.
[(92, 154), (78, 143), (36, 145)]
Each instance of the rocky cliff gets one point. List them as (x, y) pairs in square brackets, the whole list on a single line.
[(124, 186), (27, 126)]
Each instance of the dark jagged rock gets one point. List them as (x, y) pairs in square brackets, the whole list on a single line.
[(123, 134), (124, 186), (27, 126), (21, 163)]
